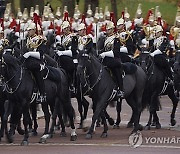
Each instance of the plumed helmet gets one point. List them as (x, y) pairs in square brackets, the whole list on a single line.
[(110, 25), (120, 22), (159, 28), (81, 26), (65, 24), (31, 26)]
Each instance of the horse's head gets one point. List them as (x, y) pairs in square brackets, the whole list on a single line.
[(176, 65), (144, 59), (9, 66), (83, 63)]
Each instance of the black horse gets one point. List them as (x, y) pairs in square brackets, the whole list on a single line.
[(157, 85), (176, 68), (19, 88), (102, 86)]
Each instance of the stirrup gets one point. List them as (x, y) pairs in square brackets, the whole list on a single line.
[(120, 93), (72, 88)]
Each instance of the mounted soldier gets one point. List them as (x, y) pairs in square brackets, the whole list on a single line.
[(3, 41), (125, 37), (67, 51), (35, 50), (160, 46), (111, 56)]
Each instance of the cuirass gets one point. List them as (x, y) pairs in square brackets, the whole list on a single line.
[(109, 43)]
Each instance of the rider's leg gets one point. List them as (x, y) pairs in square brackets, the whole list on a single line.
[(118, 75)]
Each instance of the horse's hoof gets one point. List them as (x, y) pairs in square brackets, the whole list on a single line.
[(20, 131), (80, 126), (111, 121), (104, 135), (147, 127), (24, 143), (63, 134), (140, 127), (10, 139), (50, 135), (98, 124), (57, 128), (73, 138), (88, 136), (130, 125), (116, 126), (34, 133), (158, 126), (134, 131), (42, 140), (173, 122), (85, 129), (153, 124)]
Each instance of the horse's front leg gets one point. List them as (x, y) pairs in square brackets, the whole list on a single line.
[(47, 115), (98, 109), (26, 123), (104, 133), (174, 100), (118, 109)]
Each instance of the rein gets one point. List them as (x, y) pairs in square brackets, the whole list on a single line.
[(90, 88), (6, 86)]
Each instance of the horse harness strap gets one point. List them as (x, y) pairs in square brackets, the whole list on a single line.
[(97, 80), (6, 86)]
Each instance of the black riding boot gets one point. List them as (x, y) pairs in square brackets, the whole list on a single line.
[(71, 82), (119, 79)]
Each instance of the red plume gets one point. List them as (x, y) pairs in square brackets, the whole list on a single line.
[(159, 21), (2, 23), (132, 26), (112, 18), (122, 14), (83, 19), (66, 16), (148, 15), (13, 24)]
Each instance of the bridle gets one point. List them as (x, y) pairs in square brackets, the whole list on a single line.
[(6, 84), (87, 75)]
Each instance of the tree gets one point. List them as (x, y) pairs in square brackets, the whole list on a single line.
[(29, 3), (93, 3), (114, 8), (70, 5)]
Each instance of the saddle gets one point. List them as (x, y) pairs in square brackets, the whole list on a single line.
[(53, 74), (129, 68)]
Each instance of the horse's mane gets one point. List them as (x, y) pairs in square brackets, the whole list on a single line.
[(11, 60)]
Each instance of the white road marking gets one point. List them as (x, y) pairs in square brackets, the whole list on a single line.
[(100, 144)]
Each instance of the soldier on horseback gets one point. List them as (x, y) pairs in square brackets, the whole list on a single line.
[(160, 45), (36, 47), (67, 51), (111, 56), (3, 41)]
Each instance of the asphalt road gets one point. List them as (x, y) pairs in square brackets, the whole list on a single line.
[(165, 140)]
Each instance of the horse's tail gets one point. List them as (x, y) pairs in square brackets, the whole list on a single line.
[(146, 101)]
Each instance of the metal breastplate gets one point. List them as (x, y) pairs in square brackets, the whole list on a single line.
[(109, 43), (66, 41), (82, 41), (158, 42)]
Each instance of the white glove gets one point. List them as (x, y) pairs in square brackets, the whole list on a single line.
[(60, 53), (102, 55)]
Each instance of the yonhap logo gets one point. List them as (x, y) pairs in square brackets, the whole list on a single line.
[(135, 139)]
